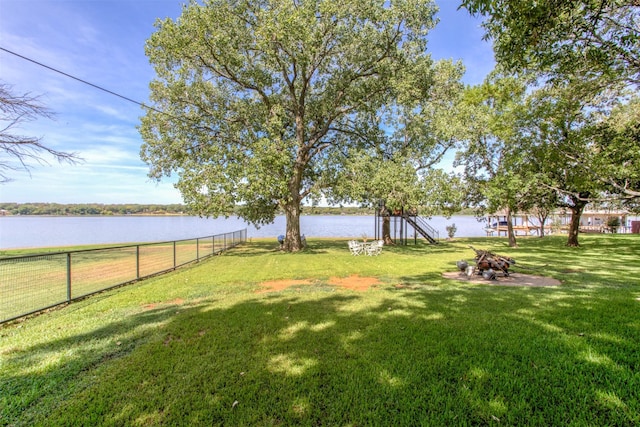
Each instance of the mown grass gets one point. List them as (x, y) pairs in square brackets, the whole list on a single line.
[(57, 275), (202, 346)]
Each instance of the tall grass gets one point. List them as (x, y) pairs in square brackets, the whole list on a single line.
[(206, 346)]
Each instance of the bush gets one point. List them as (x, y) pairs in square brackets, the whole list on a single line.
[(613, 223), (451, 230)]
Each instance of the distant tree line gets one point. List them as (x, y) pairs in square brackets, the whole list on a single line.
[(146, 209), (337, 210), (89, 209)]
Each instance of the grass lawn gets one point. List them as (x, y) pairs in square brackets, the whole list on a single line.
[(214, 344)]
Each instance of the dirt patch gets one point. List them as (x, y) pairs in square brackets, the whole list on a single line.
[(151, 306), (279, 285), (353, 282), (514, 279)]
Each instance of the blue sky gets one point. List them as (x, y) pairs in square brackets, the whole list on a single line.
[(102, 41)]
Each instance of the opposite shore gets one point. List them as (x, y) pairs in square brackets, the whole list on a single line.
[(100, 209)]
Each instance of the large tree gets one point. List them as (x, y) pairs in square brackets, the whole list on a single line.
[(20, 151), (587, 54), (400, 169), (589, 39), (558, 135), (259, 97), (490, 111)]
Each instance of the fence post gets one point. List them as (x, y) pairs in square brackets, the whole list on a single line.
[(68, 276), (174, 254), (137, 261), (198, 249), (213, 245)]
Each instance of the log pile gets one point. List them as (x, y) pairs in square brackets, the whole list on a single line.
[(488, 261)]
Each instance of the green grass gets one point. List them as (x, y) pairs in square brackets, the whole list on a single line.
[(202, 345), (28, 284)]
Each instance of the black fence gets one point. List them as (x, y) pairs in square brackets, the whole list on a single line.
[(33, 283)]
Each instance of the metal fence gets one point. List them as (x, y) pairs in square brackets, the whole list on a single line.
[(33, 283)]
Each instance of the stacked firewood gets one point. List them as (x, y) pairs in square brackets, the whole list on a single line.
[(486, 261)]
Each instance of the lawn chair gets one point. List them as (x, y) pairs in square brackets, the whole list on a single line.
[(375, 248), (355, 248)]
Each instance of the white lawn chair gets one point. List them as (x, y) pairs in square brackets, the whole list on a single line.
[(375, 248), (355, 248)]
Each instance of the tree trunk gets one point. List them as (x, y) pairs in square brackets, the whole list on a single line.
[(574, 227), (292, 239), (386, 230), (542, 219), (576, 213), (510, 232)]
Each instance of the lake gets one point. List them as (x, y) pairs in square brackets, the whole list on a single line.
[(46, 231)]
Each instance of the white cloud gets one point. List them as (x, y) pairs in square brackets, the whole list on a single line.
[(102, 42), (88, 184)]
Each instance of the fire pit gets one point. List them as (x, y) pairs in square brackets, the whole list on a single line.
[(487, 263)]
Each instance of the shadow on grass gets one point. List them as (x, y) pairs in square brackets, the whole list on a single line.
[(258, 247), (417, 353), (518, 356), (51, 369), (609, 260), (321, 246)]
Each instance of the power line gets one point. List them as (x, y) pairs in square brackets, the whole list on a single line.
[(82, 81), (181, 119)]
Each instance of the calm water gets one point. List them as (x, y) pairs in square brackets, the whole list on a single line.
[(39, 231)]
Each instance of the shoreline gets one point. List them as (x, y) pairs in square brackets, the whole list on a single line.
[(194, 215)]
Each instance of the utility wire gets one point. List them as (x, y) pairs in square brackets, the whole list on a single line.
[(181, 119), (83, 81)]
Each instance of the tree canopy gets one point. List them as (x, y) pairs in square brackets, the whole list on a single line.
[(401, 168), (529, 149), (590, 39), (579, 125), (262, 101), (491, 148), (617, 143)]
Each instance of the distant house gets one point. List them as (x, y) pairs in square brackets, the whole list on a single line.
[(591, 221), (523, 223)]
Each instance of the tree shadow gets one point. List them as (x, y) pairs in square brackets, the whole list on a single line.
[(52, 368), (417, 352), (400, 357)]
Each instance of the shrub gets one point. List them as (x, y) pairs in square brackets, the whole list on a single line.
[(451, 230), (613, 223)]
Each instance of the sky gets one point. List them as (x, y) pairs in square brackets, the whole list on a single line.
[(102, 42)]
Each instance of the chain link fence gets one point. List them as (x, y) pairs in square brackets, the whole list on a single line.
[(33, 283)]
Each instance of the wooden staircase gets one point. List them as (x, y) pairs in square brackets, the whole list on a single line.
[(421, 226)]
